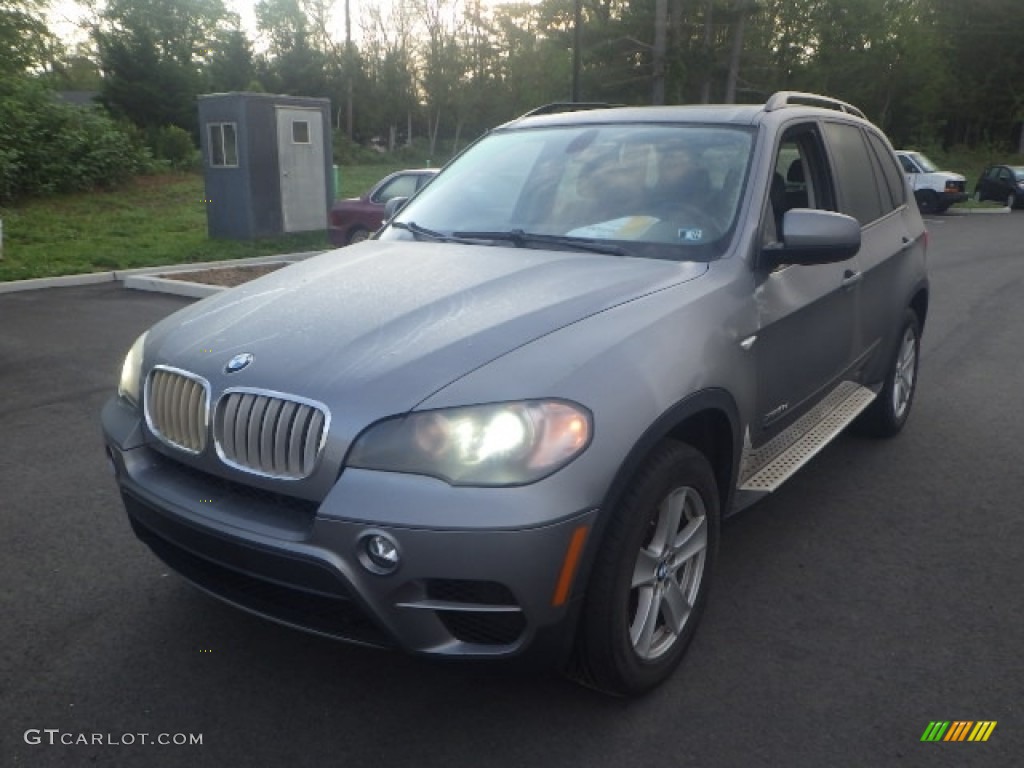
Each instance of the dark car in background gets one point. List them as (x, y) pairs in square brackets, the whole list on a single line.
[(1002, 183), (356, 218)]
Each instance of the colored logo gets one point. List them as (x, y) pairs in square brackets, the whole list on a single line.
[(958, 730), (238, 362)]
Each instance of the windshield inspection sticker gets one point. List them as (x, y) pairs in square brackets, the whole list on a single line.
[(691, 235), (626, 228)]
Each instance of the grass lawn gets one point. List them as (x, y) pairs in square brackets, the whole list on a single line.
[(153, 221)]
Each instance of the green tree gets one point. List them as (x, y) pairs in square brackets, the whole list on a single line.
[(230, 65), (984, 45), (77, 72), (293, 65), (25, 40), (151, 53), (389, 104), (443, 64)]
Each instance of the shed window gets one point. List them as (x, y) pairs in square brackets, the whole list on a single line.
[(300, 131), (223, 145)]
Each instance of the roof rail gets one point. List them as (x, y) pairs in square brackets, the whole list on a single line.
[(568, 106), (783, 99)]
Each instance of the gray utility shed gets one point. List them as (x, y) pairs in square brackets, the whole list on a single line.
[(267, 162)]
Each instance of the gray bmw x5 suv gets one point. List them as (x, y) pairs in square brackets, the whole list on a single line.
[(510, 424)]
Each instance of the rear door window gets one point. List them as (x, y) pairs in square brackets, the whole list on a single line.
[(859, 193)]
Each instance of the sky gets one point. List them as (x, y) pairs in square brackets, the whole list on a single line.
[(64, 17)]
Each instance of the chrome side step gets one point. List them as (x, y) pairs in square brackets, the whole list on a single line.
[(769, 466)]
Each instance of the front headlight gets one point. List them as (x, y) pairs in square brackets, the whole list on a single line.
[(485, 445), (131, 372)]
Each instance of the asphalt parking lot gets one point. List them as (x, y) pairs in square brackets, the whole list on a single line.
[(879, 590)]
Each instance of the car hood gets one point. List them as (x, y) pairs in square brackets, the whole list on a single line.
[(942, 176), (374, 329)]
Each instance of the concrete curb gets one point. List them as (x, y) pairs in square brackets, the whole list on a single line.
[(173, 287), (136, 278), (56, 282), (975, 211)]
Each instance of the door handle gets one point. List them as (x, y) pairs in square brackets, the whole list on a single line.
[(851, 278)]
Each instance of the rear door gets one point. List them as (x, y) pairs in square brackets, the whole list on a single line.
[(871, 189), (1005, 183)]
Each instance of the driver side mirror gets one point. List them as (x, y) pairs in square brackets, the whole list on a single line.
[(393, 206), (813, 237)]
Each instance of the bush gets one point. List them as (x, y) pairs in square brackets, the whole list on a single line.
[(348, 152), (48, 147), (174, 146)]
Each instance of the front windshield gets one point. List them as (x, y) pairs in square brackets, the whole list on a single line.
[(656, 190), (926, 165)]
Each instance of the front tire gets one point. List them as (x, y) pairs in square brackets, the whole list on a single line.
[(357, 235), (927, 201), (652, 574), (886, 416)]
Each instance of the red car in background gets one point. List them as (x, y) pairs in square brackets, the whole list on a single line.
[(356, 218)]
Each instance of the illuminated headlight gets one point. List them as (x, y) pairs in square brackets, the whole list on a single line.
[(131, 372), (486, 445)]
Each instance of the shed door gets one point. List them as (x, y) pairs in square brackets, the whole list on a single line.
[(300, 149)]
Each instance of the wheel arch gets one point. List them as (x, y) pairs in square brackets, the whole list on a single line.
[(919, 304), (708, 421)]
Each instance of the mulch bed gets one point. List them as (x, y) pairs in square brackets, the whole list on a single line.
[(226, 276)]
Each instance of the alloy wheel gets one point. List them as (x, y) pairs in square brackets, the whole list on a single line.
[(906, 370), (668, 573)]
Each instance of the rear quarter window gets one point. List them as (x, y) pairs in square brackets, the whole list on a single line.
[(890, 171)]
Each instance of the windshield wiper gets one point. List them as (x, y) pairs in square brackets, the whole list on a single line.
[(522, 239), (429, 234)]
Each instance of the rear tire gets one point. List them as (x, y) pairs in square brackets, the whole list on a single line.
[(886, 416), (652, 574)]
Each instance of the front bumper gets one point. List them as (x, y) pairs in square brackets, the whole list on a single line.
[(460, 592)]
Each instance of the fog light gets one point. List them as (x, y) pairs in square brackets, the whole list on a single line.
[(380, 554)]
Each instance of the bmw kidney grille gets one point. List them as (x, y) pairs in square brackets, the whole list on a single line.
[(270, 434), (264, 433)]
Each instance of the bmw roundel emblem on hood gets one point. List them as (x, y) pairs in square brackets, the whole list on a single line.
[(238, 362)]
